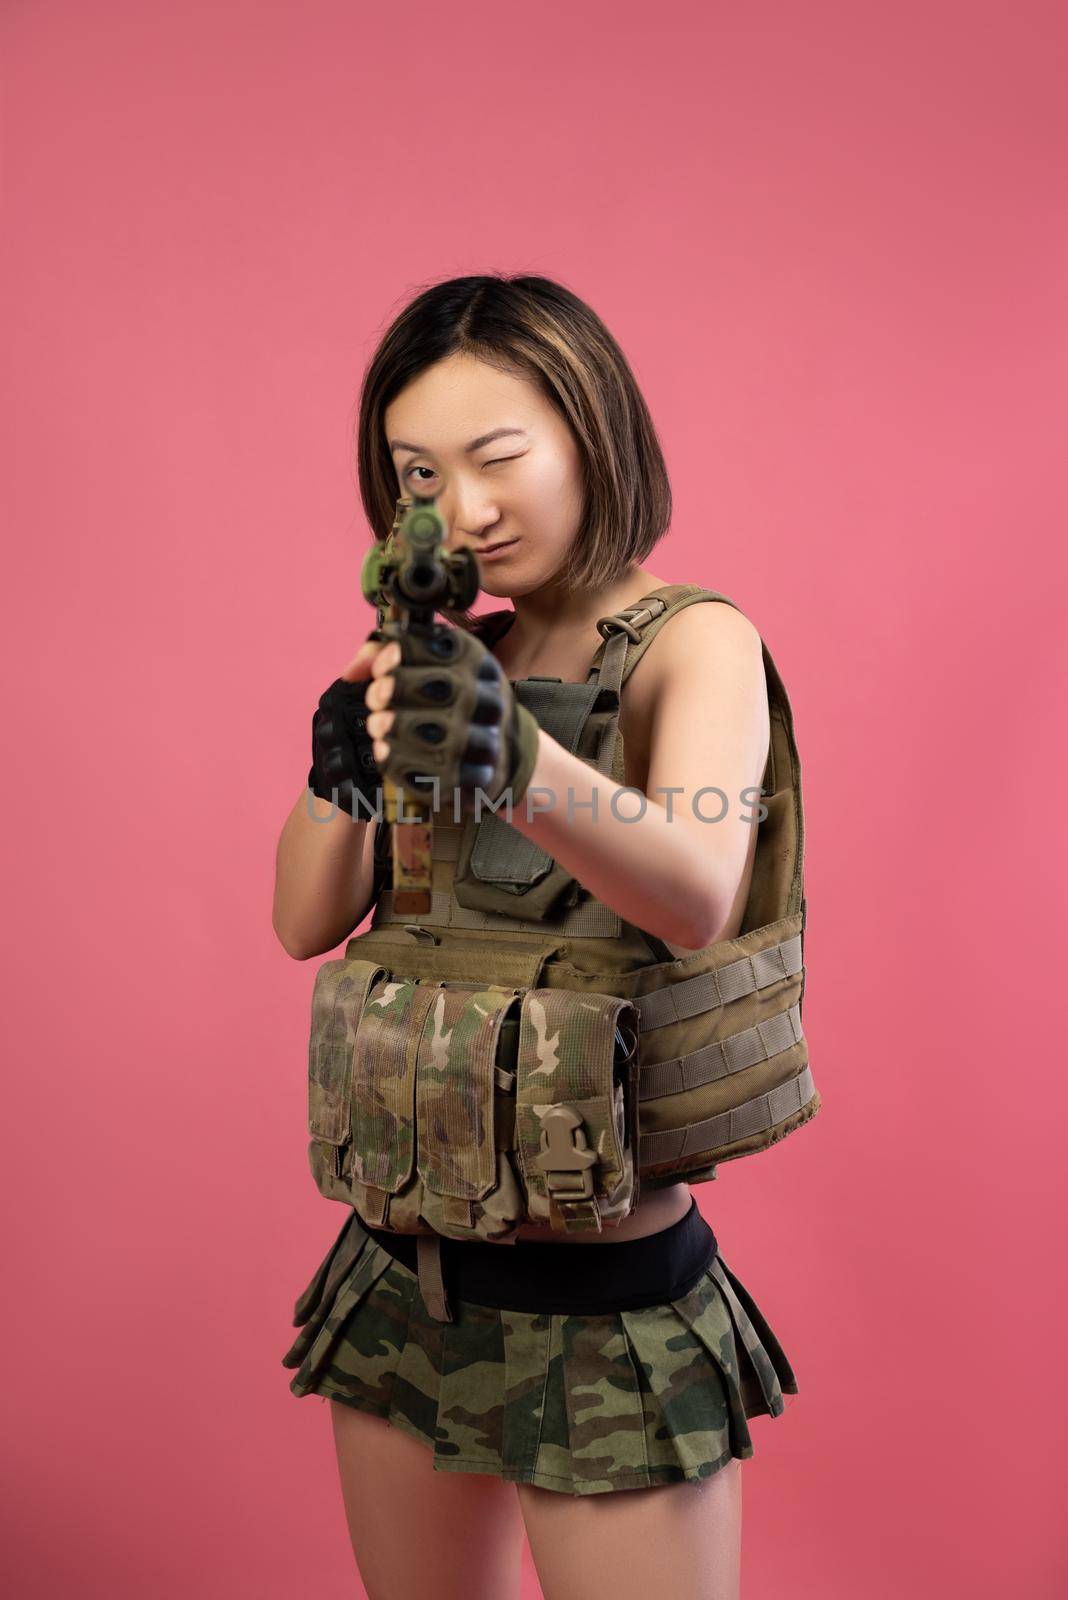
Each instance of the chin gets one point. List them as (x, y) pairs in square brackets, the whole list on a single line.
[(496, 589)]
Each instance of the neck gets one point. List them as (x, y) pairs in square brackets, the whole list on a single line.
[(573, 611)]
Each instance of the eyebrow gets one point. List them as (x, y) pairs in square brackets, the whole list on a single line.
[(476, 444)]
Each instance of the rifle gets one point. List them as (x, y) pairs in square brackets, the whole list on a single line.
[(408, 578)]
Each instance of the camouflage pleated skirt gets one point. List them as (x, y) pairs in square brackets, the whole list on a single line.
[(578, 1403)]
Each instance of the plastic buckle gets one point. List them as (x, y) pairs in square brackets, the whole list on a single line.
[(566, 1162)]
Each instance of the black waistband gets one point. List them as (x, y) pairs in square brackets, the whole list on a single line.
[(561, 1276)]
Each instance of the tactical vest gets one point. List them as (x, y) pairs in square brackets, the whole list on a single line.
[(521, 1053)]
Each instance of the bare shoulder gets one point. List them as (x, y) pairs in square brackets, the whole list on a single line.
[(707, 643), (708, 626)]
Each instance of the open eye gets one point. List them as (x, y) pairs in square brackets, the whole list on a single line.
[(409, 470)]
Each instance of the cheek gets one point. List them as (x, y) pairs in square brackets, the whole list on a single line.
[(550, 488)]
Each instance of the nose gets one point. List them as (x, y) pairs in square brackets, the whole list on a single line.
[(473, 515)]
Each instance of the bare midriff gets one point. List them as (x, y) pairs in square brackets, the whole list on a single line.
[(654, 1212)]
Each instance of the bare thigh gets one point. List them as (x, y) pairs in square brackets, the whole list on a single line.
[(680, 1539), (414, 1531)]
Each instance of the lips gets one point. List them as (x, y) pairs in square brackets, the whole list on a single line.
[(502, 544)]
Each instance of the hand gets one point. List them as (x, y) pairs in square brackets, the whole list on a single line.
[(343, 762), (452, 716)]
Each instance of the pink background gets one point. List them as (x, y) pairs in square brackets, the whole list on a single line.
[(832, 241)]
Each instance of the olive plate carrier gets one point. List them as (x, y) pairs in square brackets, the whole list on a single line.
[(520, 1053)]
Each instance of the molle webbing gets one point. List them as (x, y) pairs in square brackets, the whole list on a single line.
[(722, 1057), (758, 1115), (709, 990)]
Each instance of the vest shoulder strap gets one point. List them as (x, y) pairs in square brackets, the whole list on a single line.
[(628, 634)]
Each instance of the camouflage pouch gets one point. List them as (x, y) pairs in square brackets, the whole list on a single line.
[(341, 988), (467, 1110), (576, 1107)]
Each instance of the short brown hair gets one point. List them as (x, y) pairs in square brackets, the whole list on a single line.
[(541, 330)]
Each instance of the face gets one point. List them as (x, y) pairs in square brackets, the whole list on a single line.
[(523, 485)]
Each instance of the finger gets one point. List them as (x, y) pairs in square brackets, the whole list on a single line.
[(379, 692), (489, 704), (387, 658), (379, 723), (475, 777), (360, 665), (483, 746)]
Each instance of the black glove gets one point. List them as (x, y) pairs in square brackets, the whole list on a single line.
[(343, 751)]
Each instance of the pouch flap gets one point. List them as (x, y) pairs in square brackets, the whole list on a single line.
[(456, 1079), (337, 999), (567, 1055), (383, 1083)]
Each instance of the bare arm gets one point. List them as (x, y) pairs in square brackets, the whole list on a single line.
[(324, 878), (324, 869), (702, 693)]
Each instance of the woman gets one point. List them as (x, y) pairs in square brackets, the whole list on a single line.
[(509, 400)]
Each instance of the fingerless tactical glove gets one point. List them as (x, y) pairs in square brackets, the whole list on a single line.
[(342, 751), (456, 720)]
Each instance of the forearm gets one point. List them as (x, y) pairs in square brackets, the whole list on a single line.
[(324, 877), (657, 869)]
